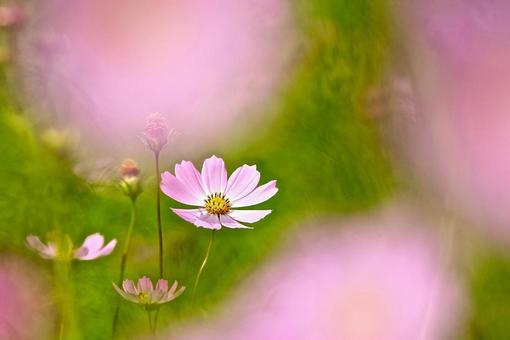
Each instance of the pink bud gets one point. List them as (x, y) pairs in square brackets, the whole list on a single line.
[(155, 134)]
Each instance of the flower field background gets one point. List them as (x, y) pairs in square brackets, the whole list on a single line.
[(325, 141)]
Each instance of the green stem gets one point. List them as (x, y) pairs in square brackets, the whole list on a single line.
[(123, 262), (151, 327), (160, 229), (67, 328), (158, 215), (211, 240)]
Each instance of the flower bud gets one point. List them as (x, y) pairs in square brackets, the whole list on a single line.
[(156, 132), (130, 179)]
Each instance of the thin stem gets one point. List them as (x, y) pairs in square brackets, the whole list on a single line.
[(63, 293), (61, 332), (151, 324), (156, 320), (158, 215), (160, 229), (211, 240), (123, 261)]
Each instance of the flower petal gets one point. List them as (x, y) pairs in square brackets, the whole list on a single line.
[(129, 287), (259, 195), (107, 249), (174, 188), (93, 253), (145, 285), (172, 293), (172, 289), (81, 252), (162, 285), (124, 294), (214, 175), (189, 215), (242, 181), (45, 251), (249, 216), (208, 221), (190, 178), (93, 243), (229, 222)]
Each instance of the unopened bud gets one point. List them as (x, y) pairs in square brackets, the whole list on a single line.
[(130, 179)]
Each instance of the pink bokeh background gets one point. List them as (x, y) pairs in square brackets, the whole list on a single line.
[(458, 142), (384, 276), (207, 66)]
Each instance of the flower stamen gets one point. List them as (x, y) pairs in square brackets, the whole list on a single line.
[(217, 204)]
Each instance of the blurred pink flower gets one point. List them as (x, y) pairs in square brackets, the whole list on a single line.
[(91, 249), (156, 132), (215, 195), (48, 251), (102, 65), (25, 311), (459, 143), (145, 294), (374, 280)]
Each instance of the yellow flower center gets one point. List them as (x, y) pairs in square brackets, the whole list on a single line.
[(143, 298), (217, 204)]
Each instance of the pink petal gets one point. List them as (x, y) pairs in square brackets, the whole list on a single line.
[(249, 216), (214, 175), (124, 294), (81, 252), (189, 215), (174, 188), (199, 217), (129, 287), (208, 221), (95, 253), (162, 285), (107, 249), (145, 285), (242, 181), (45, 251), (259, 195), (173, 288), (229, 222), (156, 296), (172, 293), (93, 243), (190, 178)]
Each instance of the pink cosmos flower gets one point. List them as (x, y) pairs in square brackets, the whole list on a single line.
[(145, 294), (156, 132), (215, 196), (92, 248)]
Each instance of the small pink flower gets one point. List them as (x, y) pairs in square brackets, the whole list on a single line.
[(145, 294), (48, 251), (91, 249), (215, 196), (156, 132)]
